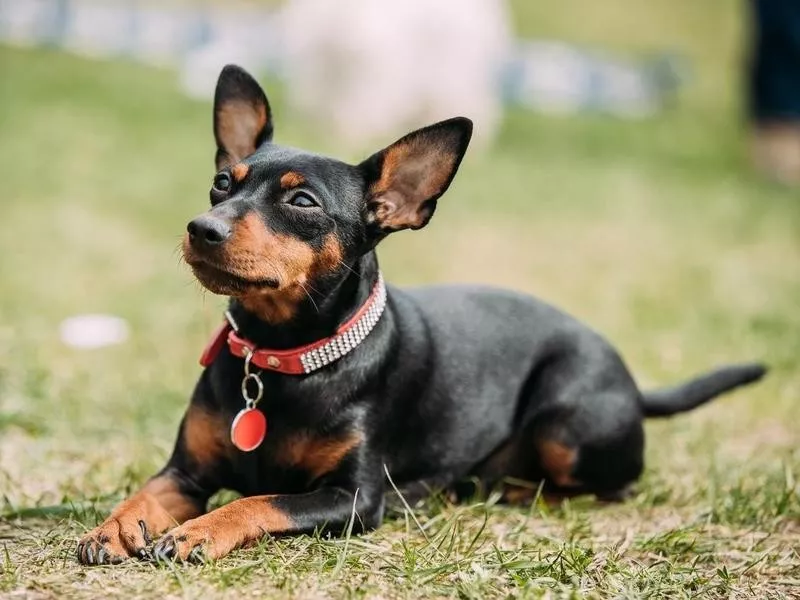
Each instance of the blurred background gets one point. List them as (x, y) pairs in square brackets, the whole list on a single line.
[(619, 172)]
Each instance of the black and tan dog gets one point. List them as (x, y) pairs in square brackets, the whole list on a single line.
[(432, 386)]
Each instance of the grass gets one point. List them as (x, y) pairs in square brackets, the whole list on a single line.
[(653, 232)]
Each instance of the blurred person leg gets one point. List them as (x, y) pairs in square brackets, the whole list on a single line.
[(774, 88)]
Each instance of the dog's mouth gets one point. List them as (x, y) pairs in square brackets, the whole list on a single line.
[(219, 280)]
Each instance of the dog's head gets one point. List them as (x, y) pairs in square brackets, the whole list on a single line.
[(282, 219)]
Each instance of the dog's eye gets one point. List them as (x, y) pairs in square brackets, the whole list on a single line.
[(302, 201), (222, 182)]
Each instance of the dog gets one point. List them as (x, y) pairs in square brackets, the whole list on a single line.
[(325, 389)]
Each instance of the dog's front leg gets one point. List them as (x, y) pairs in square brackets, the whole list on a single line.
[(247, 520), (163, 502)]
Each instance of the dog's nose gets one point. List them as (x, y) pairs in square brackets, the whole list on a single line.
[(208, 230)]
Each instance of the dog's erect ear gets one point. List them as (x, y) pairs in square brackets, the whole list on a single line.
[(405, 180), (242, 118)]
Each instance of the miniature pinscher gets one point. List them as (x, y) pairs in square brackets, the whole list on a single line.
[(326, 392)]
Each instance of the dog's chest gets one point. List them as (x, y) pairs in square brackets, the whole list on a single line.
[(310, 431), (292, 460)]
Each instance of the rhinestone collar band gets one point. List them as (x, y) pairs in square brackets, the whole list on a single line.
[(311, 357)]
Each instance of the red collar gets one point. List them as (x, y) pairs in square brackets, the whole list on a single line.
[(308, 358)]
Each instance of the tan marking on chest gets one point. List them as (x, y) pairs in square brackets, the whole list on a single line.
[(317, 455), (205, 435)]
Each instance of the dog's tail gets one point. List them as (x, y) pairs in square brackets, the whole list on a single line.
[(697, 391)]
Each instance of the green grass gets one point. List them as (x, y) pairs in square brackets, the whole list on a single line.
[(653, 232)]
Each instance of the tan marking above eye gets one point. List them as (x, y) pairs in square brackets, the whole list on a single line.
[(291, 179), (239, 171)]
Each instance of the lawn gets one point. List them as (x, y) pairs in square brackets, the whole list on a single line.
[(653, 232)]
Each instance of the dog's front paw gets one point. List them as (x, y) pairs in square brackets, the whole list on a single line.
[(115, 540), (212, 535), (191, 542)]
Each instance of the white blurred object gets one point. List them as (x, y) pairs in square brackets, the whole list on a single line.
[(559, 78), (96, 31), (248, 37), (200, 71), (93, 331), (25, 23), (365, 70), (373, 69)]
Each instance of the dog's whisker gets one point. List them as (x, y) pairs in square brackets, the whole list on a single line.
[(349, 268), (310, 297), (313, 289)]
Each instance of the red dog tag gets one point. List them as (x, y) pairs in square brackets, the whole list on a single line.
[(248, 429)]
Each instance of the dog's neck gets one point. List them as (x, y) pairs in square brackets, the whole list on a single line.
[(330, 304)]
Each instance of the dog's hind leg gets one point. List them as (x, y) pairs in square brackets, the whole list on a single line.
[(580, 432)]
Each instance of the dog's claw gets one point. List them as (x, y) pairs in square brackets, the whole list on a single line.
[(145, 534), (113, 542), (197, 555), (167, 549), (164, 549)]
